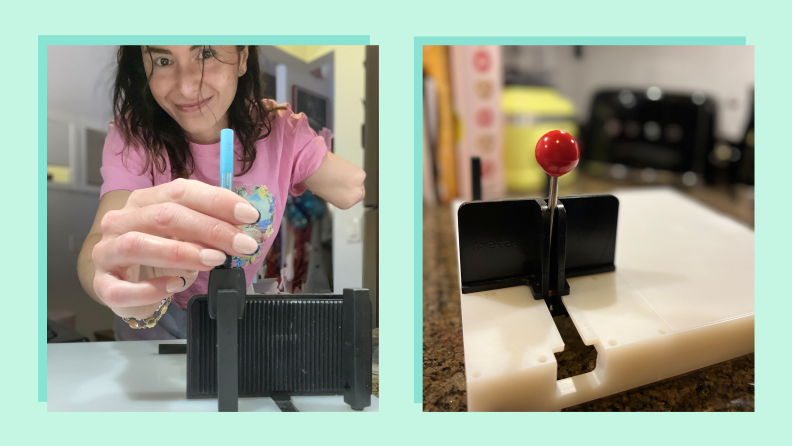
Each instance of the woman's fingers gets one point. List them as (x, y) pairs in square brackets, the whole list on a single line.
[(174, 229), (148, 272), (210, 200), (177, 221), (122, 298), (189, 276), (137, 248), (118, 294)]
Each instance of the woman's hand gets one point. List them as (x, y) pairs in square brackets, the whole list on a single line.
[(155, 245)]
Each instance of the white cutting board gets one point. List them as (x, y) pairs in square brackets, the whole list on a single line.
[(131, 376), (681, 298)]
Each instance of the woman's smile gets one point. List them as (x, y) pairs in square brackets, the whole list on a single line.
[(193, 106), (195, 85)]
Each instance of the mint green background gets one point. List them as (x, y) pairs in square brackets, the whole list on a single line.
[(393, 27)]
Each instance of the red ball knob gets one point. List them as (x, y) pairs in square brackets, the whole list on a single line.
[(557, 153)]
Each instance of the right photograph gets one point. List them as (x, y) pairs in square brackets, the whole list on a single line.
[(588, 228)]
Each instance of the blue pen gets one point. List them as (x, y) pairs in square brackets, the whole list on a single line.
[(227, 170), (227, 159)]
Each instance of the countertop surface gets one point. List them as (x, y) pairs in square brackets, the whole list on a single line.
[(131, 376), (727, 386)]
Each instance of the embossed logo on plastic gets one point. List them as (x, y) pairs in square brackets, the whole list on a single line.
[(497, 244)]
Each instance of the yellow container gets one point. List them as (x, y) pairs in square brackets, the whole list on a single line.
[(529, 113), (58, 174)]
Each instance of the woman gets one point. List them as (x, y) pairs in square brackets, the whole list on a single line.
[(162, 222)]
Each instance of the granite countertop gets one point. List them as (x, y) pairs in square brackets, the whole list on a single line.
[(727, 386)]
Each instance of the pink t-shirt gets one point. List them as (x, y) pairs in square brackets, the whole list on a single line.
[(291, 153)]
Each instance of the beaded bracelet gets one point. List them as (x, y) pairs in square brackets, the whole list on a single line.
[(152, 320)]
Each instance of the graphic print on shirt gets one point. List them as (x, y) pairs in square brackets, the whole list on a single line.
[(261, 198)]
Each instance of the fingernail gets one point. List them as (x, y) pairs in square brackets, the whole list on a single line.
[(245, 244), (212, 257), (246, 213), (175, 284)]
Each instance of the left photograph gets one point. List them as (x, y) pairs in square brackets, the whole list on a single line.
[(212, 228)]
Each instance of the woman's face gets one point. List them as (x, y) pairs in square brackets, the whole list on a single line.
[(195, 85)]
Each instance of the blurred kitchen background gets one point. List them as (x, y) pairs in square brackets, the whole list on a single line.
[(336, 86), (676, 116)]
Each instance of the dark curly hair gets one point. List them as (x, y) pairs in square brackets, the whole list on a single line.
[(142, 122)]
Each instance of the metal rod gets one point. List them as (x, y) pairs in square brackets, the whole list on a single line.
[(552, 202)]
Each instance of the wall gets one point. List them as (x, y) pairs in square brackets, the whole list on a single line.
[(299, 73), (79, 92), (70, 213), (80, 83), (725, 73)]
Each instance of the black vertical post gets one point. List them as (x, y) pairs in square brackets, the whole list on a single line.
[(227, 352), (475, 177), (356, 354), (226, 296), (557, 264), (545, 254), (559, 269)]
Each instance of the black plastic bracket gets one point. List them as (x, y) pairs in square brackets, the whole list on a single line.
[(284, 403), (173, 349), (506, 243), (285, 346), (226, 295), (356, 353)]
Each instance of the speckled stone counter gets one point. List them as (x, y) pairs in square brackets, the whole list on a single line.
[(727, 386)]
